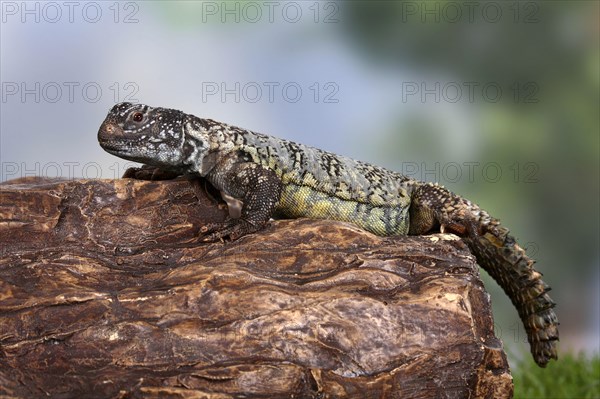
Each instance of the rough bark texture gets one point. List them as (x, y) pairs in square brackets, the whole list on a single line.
[(105, 291)]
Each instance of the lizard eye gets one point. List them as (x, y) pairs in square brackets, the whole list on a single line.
[(138, 117)]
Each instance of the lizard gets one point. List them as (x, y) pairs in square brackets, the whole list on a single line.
[(272, 177)]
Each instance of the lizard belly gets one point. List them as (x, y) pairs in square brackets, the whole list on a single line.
[(301, 201)]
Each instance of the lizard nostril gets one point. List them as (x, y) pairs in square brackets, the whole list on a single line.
[(108, 131)]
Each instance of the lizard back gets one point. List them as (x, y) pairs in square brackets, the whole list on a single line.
[(322, 185)]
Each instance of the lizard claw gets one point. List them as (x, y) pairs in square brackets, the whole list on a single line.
[(231, 229), (214, 232)]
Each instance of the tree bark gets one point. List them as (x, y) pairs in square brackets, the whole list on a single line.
[(106, 290)]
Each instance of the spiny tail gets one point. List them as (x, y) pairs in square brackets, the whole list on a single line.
[(498, 253)]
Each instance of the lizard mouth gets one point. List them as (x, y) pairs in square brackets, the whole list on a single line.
[(115, 147), (113, 139), (123, 149)]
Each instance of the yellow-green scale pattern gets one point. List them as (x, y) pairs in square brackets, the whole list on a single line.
[(303, 201), (320, 193)]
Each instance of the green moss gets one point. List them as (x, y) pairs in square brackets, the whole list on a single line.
[(572, 376)]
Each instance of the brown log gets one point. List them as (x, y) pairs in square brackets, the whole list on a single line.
[(106, 291)]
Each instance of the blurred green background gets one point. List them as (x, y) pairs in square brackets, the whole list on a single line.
[(549, 131), (499, 101)]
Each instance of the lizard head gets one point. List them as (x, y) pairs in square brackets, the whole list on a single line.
[(137, 132)]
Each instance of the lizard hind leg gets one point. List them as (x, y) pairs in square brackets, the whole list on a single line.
[(497, 253)]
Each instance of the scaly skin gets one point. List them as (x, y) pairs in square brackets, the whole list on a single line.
[(275, 177)]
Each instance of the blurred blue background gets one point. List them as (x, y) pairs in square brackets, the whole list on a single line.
[(499, 101)]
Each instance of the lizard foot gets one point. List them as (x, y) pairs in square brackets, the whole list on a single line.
[(231, 229)]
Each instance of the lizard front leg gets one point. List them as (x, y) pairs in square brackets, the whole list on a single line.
[(498, 253), (256, 187)]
